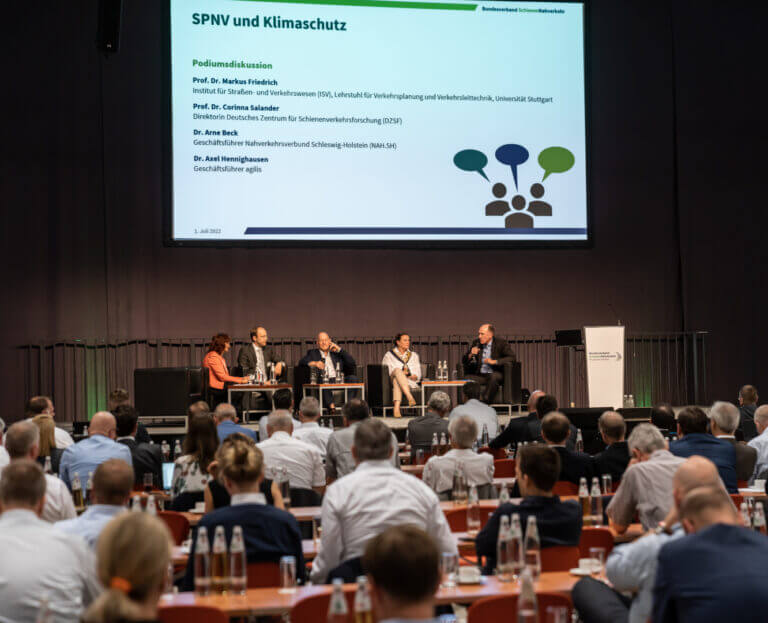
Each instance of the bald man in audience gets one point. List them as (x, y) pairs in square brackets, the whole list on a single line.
[(23, 443), (631, 568), (36, 560), (86, 455), (615, 458), (717, 572), (112, 487)]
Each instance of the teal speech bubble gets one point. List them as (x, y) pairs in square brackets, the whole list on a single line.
[(471, 160), (555, 160)]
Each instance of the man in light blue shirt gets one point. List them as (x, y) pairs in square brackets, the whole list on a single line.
[(225, 416), (112, 485), (480, 412), (760, 443), (86, 455), (631, 568)]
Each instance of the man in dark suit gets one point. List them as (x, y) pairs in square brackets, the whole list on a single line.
[(614, 459), (747, 405), (723, 422), (694, 439), (484, 362), (326, 358), (717, 572), (555, 429), (434, 422), (559, 523), (520, 429), (257, 356), (147, 458)]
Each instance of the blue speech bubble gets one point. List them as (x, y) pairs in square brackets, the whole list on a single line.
[(513, 155)]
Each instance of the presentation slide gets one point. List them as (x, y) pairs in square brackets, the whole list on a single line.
[(398, 121)]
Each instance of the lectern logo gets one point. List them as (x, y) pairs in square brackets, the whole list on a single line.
[(604, 356)]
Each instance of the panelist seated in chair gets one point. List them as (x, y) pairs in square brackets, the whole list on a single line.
[(404, 369), (326, 358), (484, 362), (559, 523), (253, 359), (478, 468)]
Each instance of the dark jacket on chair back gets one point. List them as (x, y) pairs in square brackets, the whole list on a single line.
[(574, 465), (613, 460)]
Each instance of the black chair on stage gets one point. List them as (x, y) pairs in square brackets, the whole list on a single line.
[(510, 391), (379, 388)]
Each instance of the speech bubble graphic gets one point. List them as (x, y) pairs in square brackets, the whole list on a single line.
[(471, 160), (513, 155), (555, 160)]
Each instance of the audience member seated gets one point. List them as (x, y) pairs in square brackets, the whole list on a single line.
[(4, 458), (38, 561), (716, 573), (48, 448), (38, 405), (133, 557), (371, 499), (422, 429), (339, 460), (723, 421), (311, 432), (613, 460), (147, 457), (225, 416), (198, 407), (302, 460), (663, 417), (631, 568), (118, 397), (22, 442), (546, 404), (473, 407), (559, 523), (520, 429), (747, 406), (190, 472), (217, 496), (86, 455), (555, 430), (760, 443), (694, 439), (478, 468), (269, 533), (403, 568), (282, 400), (112, 486), (646, 487)]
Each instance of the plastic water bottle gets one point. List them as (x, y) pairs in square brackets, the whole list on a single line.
[(746, 520), (165, 449), (459, 494), (445, 370), (579, 441), (238, 564), (443, 444), (48, 469), (504, 495), (77, 491), (584, 502), (151, 506), (202, 563), (503, 564), (363, 605), (516, 555), (284, 484), (337, 607), (532, 548), (219, 563), (473, 512), (758, 520), (435, 448), (485, 437), (176, 450), (136, 504), (596, 507), (89, 489), (527, 608)]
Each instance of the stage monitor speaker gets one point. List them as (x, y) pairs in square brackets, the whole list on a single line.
[(108, 26), (569, 337), (161, 392)]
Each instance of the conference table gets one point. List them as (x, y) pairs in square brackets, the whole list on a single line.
[(271, 601)]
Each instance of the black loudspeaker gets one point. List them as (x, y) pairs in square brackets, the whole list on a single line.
[(108, 26), (163, 392)]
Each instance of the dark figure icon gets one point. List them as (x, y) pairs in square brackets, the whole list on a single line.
[(518, 220), (498, 207), (539, 208)]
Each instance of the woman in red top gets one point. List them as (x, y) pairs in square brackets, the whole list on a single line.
[(218, 374)]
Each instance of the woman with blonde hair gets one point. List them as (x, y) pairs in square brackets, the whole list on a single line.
[(269, 533), (48, 441), (133, 554)]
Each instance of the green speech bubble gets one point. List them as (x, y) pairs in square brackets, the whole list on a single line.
[(471, 160), (555, 160)]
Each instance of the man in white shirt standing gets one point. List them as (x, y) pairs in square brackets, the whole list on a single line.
[(23, 443), (374, 497), (37, 560), (38, 405), (404, 369), (478, 468), (480, 412), (310, 431), (302, 461)]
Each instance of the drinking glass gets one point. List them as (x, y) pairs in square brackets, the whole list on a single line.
[(557, 614), (419, 456), (317, 529), (607, 484), (450, 567), (287, 574), (149, 482), (597, 554)]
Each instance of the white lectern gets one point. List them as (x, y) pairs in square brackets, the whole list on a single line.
[(604, 348)]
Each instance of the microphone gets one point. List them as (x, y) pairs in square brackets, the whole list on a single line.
[(618, 320)]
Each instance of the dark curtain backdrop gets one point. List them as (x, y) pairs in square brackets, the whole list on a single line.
[(675, 134)]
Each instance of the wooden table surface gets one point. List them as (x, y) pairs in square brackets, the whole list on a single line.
[(270, 601)]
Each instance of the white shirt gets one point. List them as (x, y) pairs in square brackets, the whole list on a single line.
[(58, 500), (374, 497), (481, 413), (313, 433), (37, 560), (393, 363), (4, 458), (760, 443), (329, 365), (62, 438), (438, 471), (302, 460), (263, 426)]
